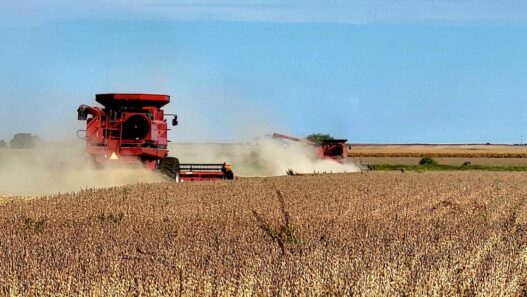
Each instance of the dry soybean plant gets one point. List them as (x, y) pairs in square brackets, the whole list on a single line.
[(375, 234)]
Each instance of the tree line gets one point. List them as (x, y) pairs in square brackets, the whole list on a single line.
[(22, 140)]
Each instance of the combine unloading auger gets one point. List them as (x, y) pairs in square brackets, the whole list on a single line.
[(132, 129)]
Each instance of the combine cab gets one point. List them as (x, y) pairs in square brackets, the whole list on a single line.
[(132, 129)]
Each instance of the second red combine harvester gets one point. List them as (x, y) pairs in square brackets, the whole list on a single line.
[(333, 149), (132, 129)]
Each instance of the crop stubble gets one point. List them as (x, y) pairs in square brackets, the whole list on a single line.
[(365, 234)]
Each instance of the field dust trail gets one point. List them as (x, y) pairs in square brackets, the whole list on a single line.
[(66, 168), (265, 157), (59, 169)]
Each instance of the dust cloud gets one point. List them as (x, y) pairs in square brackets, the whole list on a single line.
[(263, 157), (67, 168), (60, 168)]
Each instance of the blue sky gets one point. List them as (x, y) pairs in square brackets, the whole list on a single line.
[(370, 71)]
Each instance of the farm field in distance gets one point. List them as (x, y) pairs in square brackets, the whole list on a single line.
[(369, 234), (439, 150), (455, 154)]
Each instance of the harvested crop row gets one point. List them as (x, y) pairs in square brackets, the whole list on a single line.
[(444, 161), (362, 234), (436, 155), (439, 151)]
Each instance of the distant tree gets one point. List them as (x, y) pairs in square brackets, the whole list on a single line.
[(319, 137), (2, 144), (24, 140)]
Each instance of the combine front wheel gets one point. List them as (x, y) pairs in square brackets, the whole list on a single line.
[(169, 166)]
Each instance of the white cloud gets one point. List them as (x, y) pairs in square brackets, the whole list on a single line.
[(336, 11)]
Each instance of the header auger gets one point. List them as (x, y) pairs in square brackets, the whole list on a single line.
[(132, 129)]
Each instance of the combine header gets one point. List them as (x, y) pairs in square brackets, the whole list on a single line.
[(333, 149), (132, 129)]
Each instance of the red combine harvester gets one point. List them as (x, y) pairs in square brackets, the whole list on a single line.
[(334, 149), (132, 129)]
